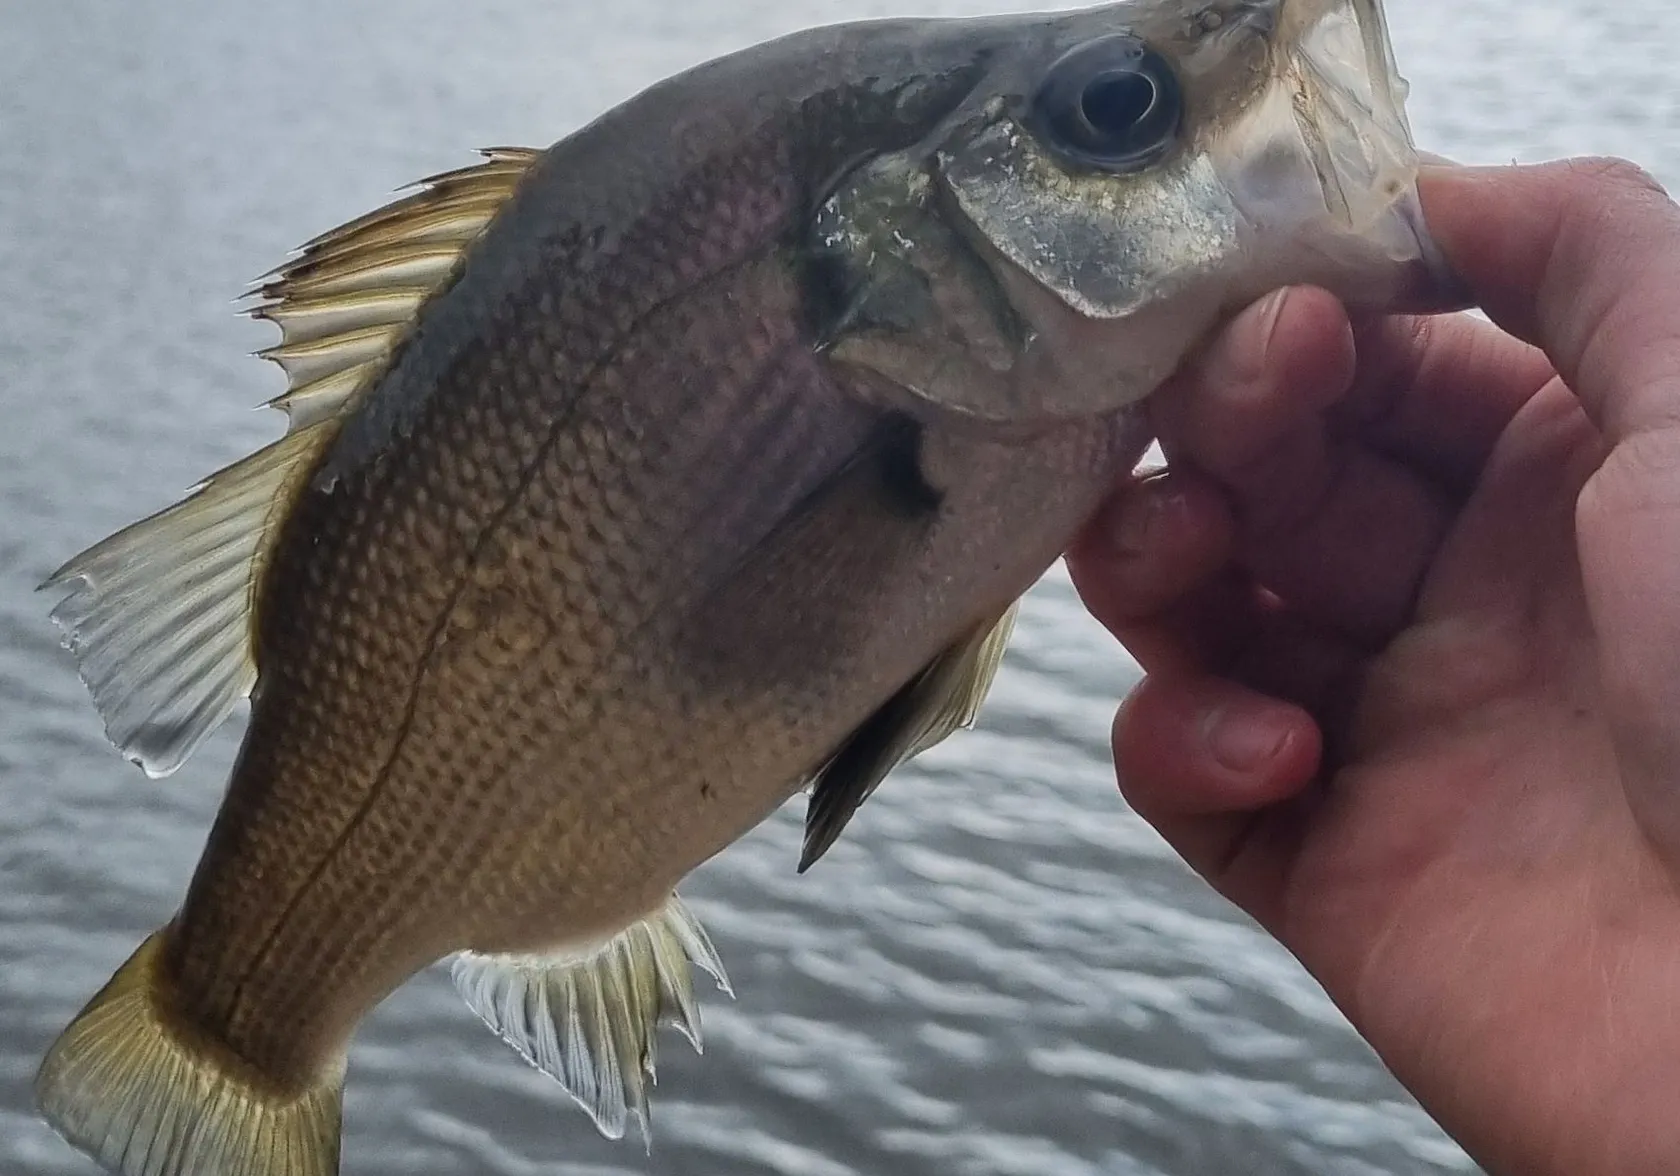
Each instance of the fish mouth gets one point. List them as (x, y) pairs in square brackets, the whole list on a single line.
[(1354, 109), (1370, 161), (1330, 145)]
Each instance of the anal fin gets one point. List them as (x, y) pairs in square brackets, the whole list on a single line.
[(586, 1016), (943, 698)]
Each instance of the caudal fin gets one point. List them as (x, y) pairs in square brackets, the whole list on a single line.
[(130, 1090)]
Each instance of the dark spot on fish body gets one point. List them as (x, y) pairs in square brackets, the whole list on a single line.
[(783, 616), (899, 455), (831, 292)]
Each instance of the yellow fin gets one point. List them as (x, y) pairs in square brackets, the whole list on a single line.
[(323, 398), (304, 363), (304, 319), (123, 1086), (501, 170), (371, 269), (351, 296), (159, 615), (586, 1016), (944, 698)]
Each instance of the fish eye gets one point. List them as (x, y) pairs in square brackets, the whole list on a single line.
[(1112, 104)]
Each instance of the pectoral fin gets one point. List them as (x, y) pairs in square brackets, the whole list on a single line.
[(941, 699)]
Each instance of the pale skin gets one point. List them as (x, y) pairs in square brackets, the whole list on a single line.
[(1409, 607)]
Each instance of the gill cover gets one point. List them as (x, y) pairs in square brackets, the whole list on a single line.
[(1056, 251)]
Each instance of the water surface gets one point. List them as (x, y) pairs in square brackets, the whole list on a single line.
[(997, 971)]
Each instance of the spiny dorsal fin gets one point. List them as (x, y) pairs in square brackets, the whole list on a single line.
[(586, 1016), (159, 615), (352, 294), (943, 698)]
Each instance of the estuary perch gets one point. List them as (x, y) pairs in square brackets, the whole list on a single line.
[(634, 484)]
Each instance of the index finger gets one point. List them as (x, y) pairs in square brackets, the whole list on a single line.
[(1579, 258)]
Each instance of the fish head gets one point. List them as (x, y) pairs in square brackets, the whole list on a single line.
[(1119, 181)]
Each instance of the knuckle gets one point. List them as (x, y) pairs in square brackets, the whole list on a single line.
[(1599, 178), (1614, 222), (1640, 476)]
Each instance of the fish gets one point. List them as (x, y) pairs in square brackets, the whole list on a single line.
[(635, 484)]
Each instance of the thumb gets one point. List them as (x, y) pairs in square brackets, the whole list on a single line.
[(1580, 258)]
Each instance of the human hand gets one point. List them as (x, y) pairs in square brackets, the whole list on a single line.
[(1409, 606)]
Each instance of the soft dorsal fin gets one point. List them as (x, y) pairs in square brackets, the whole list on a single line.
[(943, 698), (159, 615)]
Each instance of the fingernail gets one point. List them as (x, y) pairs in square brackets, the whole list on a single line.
[(1243, 739), (1270, 312), (1255, 340)]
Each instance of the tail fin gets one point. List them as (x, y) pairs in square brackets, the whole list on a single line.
[(145, 1100)]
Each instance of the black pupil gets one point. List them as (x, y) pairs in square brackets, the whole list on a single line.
[(1114, 103)]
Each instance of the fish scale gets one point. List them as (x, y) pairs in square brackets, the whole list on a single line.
[(634, 484), (440, 754)]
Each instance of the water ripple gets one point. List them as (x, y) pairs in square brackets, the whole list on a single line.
[(998, 971)]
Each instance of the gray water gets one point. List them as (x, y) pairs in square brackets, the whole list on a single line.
[(998, 970)]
